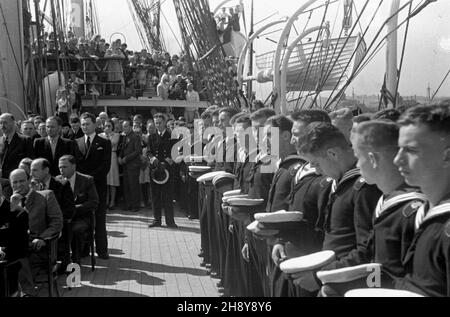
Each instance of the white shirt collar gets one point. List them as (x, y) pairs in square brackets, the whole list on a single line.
[(50, 139), (91, 137), (29, 193), (72, 181)]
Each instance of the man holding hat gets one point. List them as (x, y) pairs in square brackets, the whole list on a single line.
[(160, 151), (347, 218), (375, 144), (309, 193)]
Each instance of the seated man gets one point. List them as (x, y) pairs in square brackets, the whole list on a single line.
[(45, 216), (40, 172), (86, 202), (13, 243)]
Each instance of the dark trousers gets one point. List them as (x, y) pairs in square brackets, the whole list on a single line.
[(131, 188), (101, 238), (163, 198), (259, 257), (222, 223), (204, 229), (235, 279), (193, 204), (80, 233), (64, 245), (211, 216), (9, 279)]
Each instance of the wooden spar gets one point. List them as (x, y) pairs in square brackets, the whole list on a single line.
[(39, 55), (12, 86), (287, 56), (251, 53), (282, 43), (242, 57), (56, 36), (391, 54)]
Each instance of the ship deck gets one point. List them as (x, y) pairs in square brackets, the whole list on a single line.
[(145, 262)]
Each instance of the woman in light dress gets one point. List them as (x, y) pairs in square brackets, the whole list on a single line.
[(113, 176)]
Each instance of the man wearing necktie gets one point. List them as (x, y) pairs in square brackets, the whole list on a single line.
[(44, 213), (53, 147), (16, 146), (40, 172), (86, 202), (94, 159), (130, 160)]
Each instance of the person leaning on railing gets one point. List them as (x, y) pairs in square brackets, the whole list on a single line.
[(114, 69)]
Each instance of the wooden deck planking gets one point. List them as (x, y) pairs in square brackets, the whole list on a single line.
[(158, 262)]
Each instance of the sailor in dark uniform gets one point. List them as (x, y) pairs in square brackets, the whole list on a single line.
[(204, 124), (235, 281), (160, 151), (287, 167), (424, 161), (309, 193), (375, 145), (259, 181), (225, 161), (347, 219)]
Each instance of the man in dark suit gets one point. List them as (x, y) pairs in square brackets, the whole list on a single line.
[(160, 147), (86, 202), (27, 129), (130, 160), (75, 132), (45, 218), (14, 147), (53, 147), (94, 159), (40, 173), (13, 243)]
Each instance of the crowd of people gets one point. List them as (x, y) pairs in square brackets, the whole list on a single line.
[(61, 179), (370, 189), (97, 68)]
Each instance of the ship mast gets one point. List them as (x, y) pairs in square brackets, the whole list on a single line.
[(252, 31), (391, 55)]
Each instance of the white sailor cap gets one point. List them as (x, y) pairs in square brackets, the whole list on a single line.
[(348, 274), (380, 292), (226, 199), (245, 202), (231, 193), (311, 262), (224, 182), (256, 229), (279, 217), (200, 169), (209, 177)]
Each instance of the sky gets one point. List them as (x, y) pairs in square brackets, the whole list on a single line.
[(426, 61)]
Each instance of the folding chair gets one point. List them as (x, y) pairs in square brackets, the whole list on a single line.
[(50, 268)]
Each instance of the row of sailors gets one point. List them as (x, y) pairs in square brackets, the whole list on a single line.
[(337, 210)]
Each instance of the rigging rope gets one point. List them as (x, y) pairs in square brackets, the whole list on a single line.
[(399, 74), (382, 43), (440, 86), (21, 75), (312, 54)]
